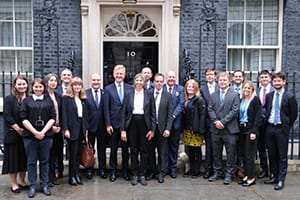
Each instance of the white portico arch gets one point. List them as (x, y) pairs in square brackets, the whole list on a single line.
[(96, 15)]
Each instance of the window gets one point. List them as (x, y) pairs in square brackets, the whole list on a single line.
[(254, 32), (15, 39)]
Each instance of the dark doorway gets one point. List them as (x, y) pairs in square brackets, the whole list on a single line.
[(134, 55)]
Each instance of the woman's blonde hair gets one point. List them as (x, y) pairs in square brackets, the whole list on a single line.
[(70, 92), (196, 88), (251, 84)]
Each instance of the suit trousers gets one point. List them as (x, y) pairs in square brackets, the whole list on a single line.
[(208, 151), (151, 148), (249, 151), (38, 150), (136, 134), (75, 149), (229, 141), (262, 149), (115, 141), (277, 144), (172, 151), (162, 148), (56, 156)]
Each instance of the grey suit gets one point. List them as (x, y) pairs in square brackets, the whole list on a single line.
[(227, 114)]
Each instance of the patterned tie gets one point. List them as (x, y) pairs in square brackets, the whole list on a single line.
[(222, 96), (96, 98), (120, 93), (170, 90), (264, 96), (277, 109)]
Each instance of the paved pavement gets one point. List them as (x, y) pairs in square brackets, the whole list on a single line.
[(173, 189)]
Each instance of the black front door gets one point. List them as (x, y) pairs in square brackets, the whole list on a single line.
[(134, 55)]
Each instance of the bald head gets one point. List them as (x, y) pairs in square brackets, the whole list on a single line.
[(95, 81), (171, 78)]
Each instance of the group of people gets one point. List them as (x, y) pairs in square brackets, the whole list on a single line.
[(145, 118)]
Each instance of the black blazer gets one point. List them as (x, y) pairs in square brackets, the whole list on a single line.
[(288, 109), (254, 115), (58, 98), (70, 119), (95, 115), (149, 110), (198, 116), (165, 112), (11, 116)]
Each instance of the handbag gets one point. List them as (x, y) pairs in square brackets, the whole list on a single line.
[(87, 155)]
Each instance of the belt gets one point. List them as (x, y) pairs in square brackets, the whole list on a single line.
[(277, 125), (243, 124)]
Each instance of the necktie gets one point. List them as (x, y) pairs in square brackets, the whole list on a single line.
[(170, 90), (277, 109), (120, 93), (156, 105), (96, 98), (156, 95), (264, 96), (222, 96)]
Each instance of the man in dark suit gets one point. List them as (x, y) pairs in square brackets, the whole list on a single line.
[(238, 78), (95, 107), (223, 111), (163, 107), (66, 77), (261, 92), (178, 105), (147, 72), (281, 113), (113, 112), (206, 90)]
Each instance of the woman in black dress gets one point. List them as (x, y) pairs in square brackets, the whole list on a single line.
[(56, 153), (74, 125), (14, 162)]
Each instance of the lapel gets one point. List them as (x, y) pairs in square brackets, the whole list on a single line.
[(116, 92), (74, 104)]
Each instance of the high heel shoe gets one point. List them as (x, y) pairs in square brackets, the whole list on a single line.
[(242, 180), (249, 183)]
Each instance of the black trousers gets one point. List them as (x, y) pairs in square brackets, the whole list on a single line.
[(56, 156), (136, 134), (277, 144), (224, 138), (115, 141), (249, 148), (102, 137), (262, 149), (172, 151), (208, 151), (75, 149), (195, 157)]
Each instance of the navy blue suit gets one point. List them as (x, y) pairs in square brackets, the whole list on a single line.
[(277, 136), (261, 142), (113, 117), (174, 138), (207, 136), (97, 125)]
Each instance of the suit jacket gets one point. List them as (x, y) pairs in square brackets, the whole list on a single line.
[(59, 90), (113, 106), (149, 110), (178, 104), (70, 119), (95, 114), (263, 112), (254, 115), (227, 113), (165, 112), (288, 109), (206, 95)]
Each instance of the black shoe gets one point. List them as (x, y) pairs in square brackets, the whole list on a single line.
[(248, 183), (17, 190), (134, 180), (227, 180), (143, 180), (271, 181), (241, 181), (207, 174), (89, 174), (263, 174), (102, 174), (46, 191), (24, 187), (173, 174), (196, 175), (279, 185), (113, 177), (150, 176), (213, 178), (187, 174), (72, 181), (125, 175), (161, 178), (31, 193), (78, 180)]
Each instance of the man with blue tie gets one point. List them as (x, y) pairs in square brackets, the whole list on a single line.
[(177, 93), (206, 90), (96, 128), (113, 112), (281, 113), (238, 78)]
